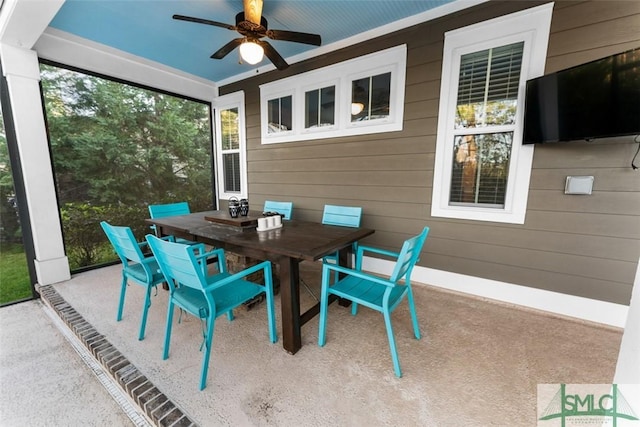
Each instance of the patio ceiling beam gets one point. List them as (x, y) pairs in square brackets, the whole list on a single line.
[(23, 21)]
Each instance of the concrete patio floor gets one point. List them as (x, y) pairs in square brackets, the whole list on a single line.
[(43, 380), (478, 363)]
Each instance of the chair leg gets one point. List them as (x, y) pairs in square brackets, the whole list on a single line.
[(414, 317), (123, 291), (271, 316), (230, 315), (167, 333), (392, 343), (207, 353), (145, 311), (324, 299), (354, 308)]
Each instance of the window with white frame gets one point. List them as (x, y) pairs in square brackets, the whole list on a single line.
[(370, 97), (231, 145), (320, 107), (482, 169), (366, 96), (484, 125), (280, 114)]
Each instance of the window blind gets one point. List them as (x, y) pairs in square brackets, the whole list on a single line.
[(490, 75), (231, 172)]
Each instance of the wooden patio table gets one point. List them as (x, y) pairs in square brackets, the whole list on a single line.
[(296, 241)]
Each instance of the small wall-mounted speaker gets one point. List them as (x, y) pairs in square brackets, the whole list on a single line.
[(578, 185)]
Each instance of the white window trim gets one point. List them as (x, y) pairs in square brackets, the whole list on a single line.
[(392, 60), (226, 102), (531, 26)]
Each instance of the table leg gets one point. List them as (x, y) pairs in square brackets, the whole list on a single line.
[(344, 259), (290, 303)]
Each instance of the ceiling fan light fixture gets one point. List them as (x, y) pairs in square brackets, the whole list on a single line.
[(251, 52)]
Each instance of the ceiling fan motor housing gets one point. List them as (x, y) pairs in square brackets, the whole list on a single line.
[(248, 28)]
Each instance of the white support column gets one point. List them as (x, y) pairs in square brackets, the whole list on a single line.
[(628, 367), (22, 71)]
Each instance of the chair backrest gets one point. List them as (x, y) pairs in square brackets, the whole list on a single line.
[(345, 216), (178, 262), (124, 243), (169, 209), (284, 208), (409, 255)]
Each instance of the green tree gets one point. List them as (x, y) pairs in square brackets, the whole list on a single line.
[(9, 224), (116, 146), (116, 143), (15, 282)]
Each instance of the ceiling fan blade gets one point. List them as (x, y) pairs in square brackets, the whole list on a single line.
[(204, 21), (224, 50), (273, 55), (294, 36), (253, 10)]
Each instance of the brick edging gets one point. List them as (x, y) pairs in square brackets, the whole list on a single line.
[(154, 403)]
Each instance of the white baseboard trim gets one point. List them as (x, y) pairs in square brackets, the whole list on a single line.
[(603, 312)]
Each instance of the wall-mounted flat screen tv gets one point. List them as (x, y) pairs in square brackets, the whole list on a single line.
[(594, 100)]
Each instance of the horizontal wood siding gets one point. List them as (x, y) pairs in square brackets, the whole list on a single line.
[(579, 245)]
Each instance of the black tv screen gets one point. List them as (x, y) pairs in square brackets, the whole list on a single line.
[(594, 100)]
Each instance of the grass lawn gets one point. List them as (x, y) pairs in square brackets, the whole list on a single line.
[(14, 275)]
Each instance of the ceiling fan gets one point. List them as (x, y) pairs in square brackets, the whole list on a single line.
[(252, 26)]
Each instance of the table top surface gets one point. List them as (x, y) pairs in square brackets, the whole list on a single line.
[(224, 218), (302, 240)]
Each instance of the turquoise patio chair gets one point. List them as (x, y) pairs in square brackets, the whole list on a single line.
[(343, 216), (206, 296), (170, 209), (284, 208), (136, 267), (375, 292)]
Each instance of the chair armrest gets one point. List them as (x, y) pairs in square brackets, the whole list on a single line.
[(202, 256), (362, 249), (200, 252), (216, 252), (149, 256), (326, 268), (144, 243), (219, 253), (264, 265), (148, 260)]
